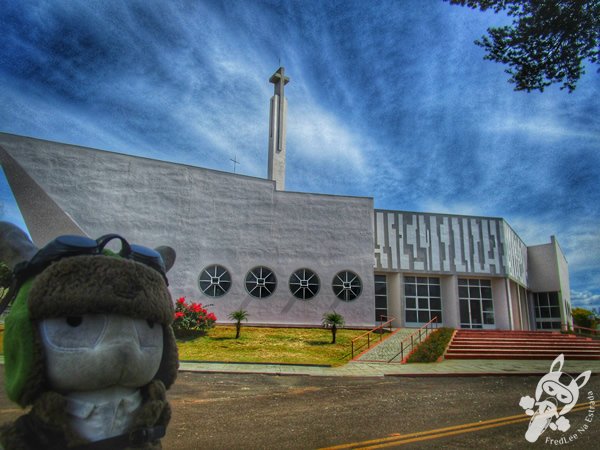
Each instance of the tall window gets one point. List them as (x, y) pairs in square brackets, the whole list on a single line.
[(476, 305), (547, 311), (381, 298), (423, 300)]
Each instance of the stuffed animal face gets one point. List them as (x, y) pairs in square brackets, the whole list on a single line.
[(84, 319), (88, 342), (96, 351)]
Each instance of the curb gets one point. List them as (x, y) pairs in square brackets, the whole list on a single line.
[(247, 363)]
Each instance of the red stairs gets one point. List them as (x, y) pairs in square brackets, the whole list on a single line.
[(498, 344)]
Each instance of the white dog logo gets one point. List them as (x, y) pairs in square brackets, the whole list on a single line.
[(555, 396)]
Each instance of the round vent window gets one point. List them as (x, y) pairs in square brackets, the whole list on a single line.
[(346, 285), (304, 284), (261, 282), (214, 281)]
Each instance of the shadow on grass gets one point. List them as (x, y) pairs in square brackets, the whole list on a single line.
[(226, 338), (319, 342)]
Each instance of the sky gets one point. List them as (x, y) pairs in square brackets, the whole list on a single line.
[(387, 99)]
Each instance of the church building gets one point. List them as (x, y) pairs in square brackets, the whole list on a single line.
[(289, 257)]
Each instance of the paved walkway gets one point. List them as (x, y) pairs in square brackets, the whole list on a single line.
[(453, 367), (390, 347), (473, 367)]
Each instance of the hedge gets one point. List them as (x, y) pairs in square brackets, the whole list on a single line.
[(433, 347)]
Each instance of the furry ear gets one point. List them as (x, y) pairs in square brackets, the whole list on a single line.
[(168, 255), (15, 245), (560, 360), (585, 376)]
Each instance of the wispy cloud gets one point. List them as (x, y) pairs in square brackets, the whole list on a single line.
[(585, 299), (389, 100), (543, 128)]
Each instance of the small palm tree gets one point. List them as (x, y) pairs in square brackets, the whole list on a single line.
[(333, 320), (238, 316)]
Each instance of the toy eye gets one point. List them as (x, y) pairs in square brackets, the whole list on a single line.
[(74, 321), (73, 332), (149, 334)]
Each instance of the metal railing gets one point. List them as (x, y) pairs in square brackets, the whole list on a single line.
[(585, 331), (380, 328), (407, 345)]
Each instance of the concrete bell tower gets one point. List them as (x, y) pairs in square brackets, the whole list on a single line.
[(277, 127)]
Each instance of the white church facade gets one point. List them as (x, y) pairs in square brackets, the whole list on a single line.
[(287, 257)]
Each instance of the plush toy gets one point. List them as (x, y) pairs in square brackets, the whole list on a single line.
[(88, 343)]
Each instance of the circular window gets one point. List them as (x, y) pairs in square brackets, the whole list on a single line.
[(346, 285), (214, 280), (261, 282), (304, 284)]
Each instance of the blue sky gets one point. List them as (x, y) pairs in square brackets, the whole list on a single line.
[(388, 99)]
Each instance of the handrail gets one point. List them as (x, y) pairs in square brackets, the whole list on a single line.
[(589, 330), (425, 327), (368, 334)]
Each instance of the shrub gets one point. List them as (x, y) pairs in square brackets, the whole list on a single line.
[(433, 347), (334, 321), (584, 318), (238, 316), (192, 317)]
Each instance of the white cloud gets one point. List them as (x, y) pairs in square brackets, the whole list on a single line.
[(585, 299), (320, 136), (579, 241), (460, 208), (536, 230), (540, 128)]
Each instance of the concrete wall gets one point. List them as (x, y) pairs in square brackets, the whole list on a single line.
[(523, 309), (517, 324), (516, 255), (438, 243), (395, 299), (209, 217), (501, 297), (543, 268), (565, 287), (450, 301), (448, 244)]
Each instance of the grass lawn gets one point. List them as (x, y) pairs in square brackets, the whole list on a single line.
[(270, 345)]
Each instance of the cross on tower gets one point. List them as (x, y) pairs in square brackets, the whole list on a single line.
[(277, 129), (279, 80), (235, 162)]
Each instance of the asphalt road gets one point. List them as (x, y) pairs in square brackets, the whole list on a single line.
[(237, 411)]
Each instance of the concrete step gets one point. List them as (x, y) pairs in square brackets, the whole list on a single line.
[(500, 350), (494, 344), (525, 341), (555, 349), (507, 335), (522, 338), (487, 355)]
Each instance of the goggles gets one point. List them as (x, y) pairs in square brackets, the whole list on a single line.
[(68, 245)]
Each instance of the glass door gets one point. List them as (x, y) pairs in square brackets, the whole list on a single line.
[(476, 304), (381, 311)]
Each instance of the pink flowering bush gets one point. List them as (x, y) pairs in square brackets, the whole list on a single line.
[(192, 317)]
